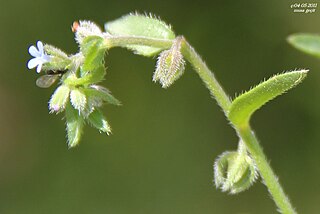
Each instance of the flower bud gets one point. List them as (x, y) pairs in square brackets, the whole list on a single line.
[(170, 65), (59, 99), (78, 99), (234, 172), (85, 29)]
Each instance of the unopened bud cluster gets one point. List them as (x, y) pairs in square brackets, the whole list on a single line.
[(234, 171), (78, 94)]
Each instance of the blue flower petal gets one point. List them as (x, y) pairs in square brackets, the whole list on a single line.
[(33, 51), (40, 47), (34, 62), (39, 68)]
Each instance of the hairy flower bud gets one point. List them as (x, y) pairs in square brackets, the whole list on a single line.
[(85, 29), (234, 172), (78, 99), (170, 65), (59, 99)]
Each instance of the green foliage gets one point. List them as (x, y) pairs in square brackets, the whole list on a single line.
[(234, 171), (136, 25), (93, 51), (246, 104), (308, 43), (100, 94), (97, 120), (87, 78), (75, 125)]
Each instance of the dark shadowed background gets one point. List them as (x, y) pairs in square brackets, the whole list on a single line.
[(160, 156)]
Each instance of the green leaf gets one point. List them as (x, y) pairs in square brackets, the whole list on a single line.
[(93, 51), (74, 124), (59, 99), (78, 99), (97, 120), (246, 104), (140, 26), (308, 43)]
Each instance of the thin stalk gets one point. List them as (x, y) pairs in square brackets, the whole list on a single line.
[(265, 170), (207, 76), (124, 41), (244, 132)]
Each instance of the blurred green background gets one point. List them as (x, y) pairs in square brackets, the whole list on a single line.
[(160, 156)]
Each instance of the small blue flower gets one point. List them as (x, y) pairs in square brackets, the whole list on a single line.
[(40, 57)]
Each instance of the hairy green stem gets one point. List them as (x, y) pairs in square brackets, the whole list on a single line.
[(207, 76), (124, 41), (265, 170), (244, 132)]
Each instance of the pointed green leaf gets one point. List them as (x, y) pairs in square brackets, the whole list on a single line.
[(142, 26), (93, 51), (246, 104), (59, 99), (97, 120), (78, 99), (74, 124), (308, 43)]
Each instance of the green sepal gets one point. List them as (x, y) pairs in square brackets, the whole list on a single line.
[(308, 43), (96, 97), (101, 94), (93, 51), (75, 124), (78, 99), (59, 99), (249, 176), (97, 120), (246, 104), (91, 77), (140, 26), (58, 59), (221, 167)]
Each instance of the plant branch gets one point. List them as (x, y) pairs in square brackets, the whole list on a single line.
[(244, 132)]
